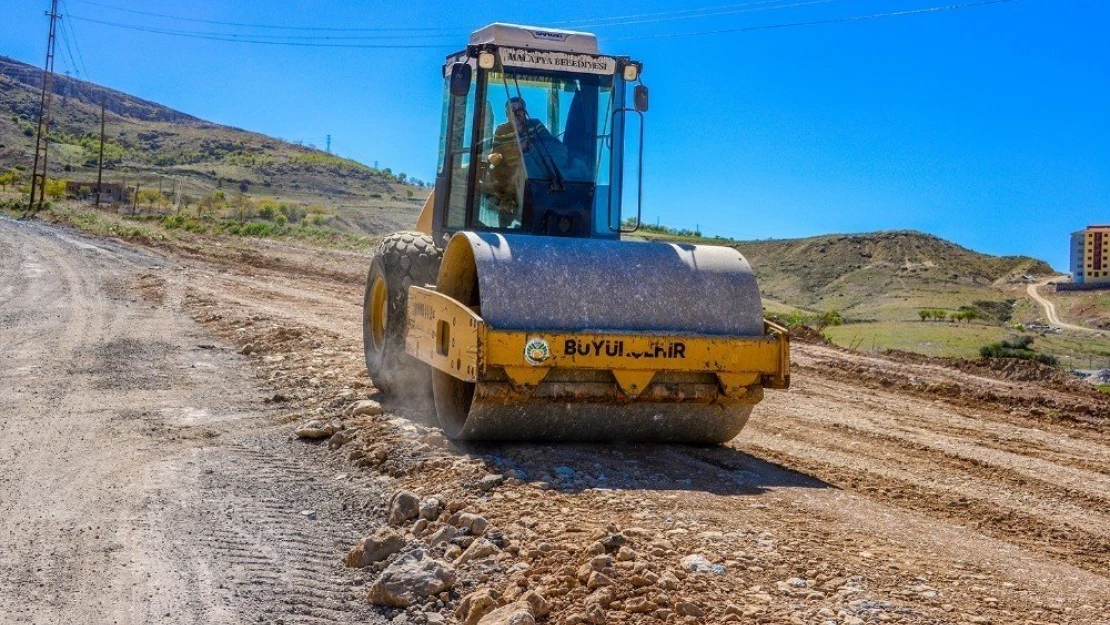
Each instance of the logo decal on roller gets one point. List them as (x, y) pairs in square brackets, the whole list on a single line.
[(536, 351)]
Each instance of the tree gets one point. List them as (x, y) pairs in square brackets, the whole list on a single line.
[(150, 197), (242, 205), (56, 189), (967, 313), (267, 209), (925, 313), (10, 178)]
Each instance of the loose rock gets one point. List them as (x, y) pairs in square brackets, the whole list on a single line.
[(339, 439), (410, 579), (442, 535), (685, 608), (365, 408), (697, 563), (490, 482), (473, 523), (598, 579), (375, 548), (478, 549), (404, 506), (430, 508), (519, 613), (602, 596), (539, 605), (476, 605), (318, 429)]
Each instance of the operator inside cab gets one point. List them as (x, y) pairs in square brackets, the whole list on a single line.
[(522, 147)]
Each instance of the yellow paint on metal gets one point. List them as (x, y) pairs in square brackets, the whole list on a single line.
[(633, 383), (444, 333), (526, 377), (454, 339), (637, 352), (424, 221)]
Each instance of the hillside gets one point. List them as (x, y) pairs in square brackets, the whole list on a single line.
[(882, 275), (154, 145)]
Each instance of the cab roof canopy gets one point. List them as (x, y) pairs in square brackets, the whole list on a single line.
[(535, 38)]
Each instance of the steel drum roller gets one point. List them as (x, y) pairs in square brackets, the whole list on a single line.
[(573, 285)]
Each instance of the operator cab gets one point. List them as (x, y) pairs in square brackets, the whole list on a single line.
[(532, 139)]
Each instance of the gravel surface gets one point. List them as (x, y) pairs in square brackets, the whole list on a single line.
[(878, 489), (143, 480)]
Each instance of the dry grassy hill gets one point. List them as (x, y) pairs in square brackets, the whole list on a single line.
[(883, 275), (151, 144)]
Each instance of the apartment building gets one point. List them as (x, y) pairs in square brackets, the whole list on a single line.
[(1090, 255)]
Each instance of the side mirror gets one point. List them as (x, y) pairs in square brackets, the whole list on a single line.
[(640, 97), (460, 79)]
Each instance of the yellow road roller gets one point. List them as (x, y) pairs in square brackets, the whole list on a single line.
[(519, 301)]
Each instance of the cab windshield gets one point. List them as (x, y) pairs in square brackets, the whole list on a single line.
[(546, 135)]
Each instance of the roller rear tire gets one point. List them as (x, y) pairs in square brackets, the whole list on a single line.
[(401, 260)]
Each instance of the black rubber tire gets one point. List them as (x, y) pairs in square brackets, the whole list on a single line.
[(401, 260)]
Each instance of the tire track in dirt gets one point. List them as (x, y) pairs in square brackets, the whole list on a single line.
[(282, 562), (924, 428), (134, 456)]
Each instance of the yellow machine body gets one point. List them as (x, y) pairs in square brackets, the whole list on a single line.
[(578, 382)]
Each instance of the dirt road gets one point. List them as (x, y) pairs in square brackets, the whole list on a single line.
[(1049, 308), (875, 490), (141, 482)]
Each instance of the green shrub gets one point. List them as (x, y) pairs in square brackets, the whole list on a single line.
[(1019, 347), (255, 229), (1018, 342)]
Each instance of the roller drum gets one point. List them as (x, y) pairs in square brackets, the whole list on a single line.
[(575, 285)]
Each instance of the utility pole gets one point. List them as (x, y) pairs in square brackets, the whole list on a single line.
[(100, 161), (329, 144), (42, 137)]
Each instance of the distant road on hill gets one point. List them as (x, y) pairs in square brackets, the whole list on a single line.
[(1049, 308)]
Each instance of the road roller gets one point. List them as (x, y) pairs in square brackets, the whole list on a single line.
[(521, 301)]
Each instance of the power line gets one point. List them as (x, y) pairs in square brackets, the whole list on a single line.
[(689, 14), (252, 39), (76, 44), (333, 41), (66, 47), (268, 26), (261, 37), (662, 16), (835, 20)]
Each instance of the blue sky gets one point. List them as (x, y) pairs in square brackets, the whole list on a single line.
[(986, 125)]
